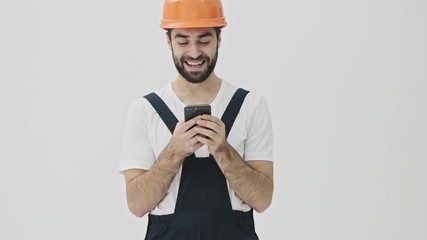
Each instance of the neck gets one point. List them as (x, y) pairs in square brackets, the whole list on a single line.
[(195, 93)]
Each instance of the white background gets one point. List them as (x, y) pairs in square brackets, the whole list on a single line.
[(346, 82)]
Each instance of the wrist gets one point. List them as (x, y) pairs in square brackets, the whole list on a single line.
[(168, 159), (227, 157), (165, 166)]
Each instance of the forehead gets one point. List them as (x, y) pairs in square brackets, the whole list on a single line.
[(192, 32)]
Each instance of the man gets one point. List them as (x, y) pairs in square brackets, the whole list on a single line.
[(198, 179)]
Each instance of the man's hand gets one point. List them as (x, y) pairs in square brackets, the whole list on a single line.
[(184, 141), (252, 181), (211, 132)]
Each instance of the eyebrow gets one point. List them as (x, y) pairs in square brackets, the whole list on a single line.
[(207, 34)]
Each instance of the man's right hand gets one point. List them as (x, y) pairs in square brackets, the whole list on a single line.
[(183, 142)]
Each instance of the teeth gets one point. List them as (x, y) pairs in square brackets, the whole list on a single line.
[(194, 64)]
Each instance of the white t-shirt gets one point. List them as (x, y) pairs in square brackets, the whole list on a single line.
[(145, 135)]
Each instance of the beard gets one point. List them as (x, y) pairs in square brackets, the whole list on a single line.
[(195, 76)]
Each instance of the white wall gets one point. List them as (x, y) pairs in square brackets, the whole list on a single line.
[(346, 83)]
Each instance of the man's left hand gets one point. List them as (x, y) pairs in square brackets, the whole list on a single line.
[(211, 133)]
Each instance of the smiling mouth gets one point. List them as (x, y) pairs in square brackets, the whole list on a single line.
[(195, 64)]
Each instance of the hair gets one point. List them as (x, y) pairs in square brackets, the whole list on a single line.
[(217, 31)]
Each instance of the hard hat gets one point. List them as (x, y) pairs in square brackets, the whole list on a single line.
[(192, 13)]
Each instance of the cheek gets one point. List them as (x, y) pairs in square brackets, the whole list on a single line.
[(176, 54), (211, 53)]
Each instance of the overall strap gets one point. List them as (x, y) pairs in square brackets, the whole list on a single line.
[(163, 110), (233, 108)]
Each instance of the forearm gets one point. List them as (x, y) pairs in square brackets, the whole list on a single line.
[(252, 186), (147, 190)]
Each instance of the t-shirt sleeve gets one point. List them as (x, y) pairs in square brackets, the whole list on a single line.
[(259, 142), (136, 151)]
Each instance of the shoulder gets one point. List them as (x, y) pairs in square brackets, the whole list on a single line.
[(141, 102), (252, 97), (253, 101), (138, 104), (254, 105)]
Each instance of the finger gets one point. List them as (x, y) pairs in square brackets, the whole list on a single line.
[(202, 131), (198, 145), (210, 118), (190, 123), (180, 127), (204, 140), (191, 133), (194, 144), (205, 132), (214, 126)]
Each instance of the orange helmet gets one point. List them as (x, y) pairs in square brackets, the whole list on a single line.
[(192, 13)]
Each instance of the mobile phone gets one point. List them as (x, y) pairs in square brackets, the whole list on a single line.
[(192, 111)]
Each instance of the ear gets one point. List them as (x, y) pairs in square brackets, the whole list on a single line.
[(168, 40), (219, 40)]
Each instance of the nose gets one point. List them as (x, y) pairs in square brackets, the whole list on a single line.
[(194, 51)]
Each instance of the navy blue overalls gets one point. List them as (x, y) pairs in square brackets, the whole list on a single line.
[(203, 208)]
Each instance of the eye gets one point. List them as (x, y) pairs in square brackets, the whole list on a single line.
[(204, 42), (182, 43)]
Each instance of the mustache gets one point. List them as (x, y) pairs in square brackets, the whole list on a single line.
[(201, 57)]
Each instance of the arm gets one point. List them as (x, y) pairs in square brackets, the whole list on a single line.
[(146, 188), (252, 181)]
